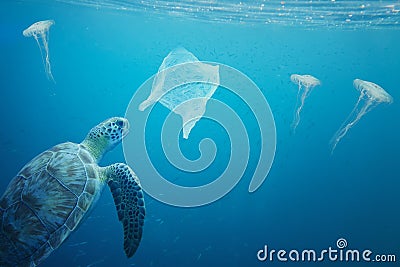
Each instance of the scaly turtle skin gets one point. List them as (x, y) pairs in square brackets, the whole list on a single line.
[(51, 195)]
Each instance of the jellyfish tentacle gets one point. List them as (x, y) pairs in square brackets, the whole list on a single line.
[(303, 97), (352, 113), (306, 92), (364, 110), (345, 125), (45, 39), (296, 117), (40, 49)]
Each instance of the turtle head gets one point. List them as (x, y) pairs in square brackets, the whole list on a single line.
[(105, 136)]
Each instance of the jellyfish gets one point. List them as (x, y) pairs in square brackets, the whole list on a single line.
[(306, 83), (40, 31), (183, 84), (371, 95)]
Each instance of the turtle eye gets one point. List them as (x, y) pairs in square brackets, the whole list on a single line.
[(120, 123)]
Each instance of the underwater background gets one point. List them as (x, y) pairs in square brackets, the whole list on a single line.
[(101, 52)]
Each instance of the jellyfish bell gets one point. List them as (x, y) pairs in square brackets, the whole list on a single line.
[(373, 91), (38, 28), (40, 31), (371, 95), (306, 80), (305, 83)]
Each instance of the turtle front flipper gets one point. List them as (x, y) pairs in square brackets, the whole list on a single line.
[(129, 201)]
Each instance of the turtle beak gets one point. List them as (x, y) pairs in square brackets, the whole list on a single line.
[(125, 128)]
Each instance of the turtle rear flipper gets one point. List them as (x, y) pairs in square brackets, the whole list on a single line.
[(129, 202)]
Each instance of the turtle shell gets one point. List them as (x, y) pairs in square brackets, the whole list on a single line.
[(45, 202)]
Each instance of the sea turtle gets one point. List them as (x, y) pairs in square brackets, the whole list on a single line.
[(51, 195)]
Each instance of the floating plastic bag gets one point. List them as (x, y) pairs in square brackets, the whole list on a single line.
[(183, 84)]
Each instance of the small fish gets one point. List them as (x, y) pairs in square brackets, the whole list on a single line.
[(79, 254), (94, 263), (78, 244)]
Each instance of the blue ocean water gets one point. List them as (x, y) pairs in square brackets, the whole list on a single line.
[(100, 56)]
